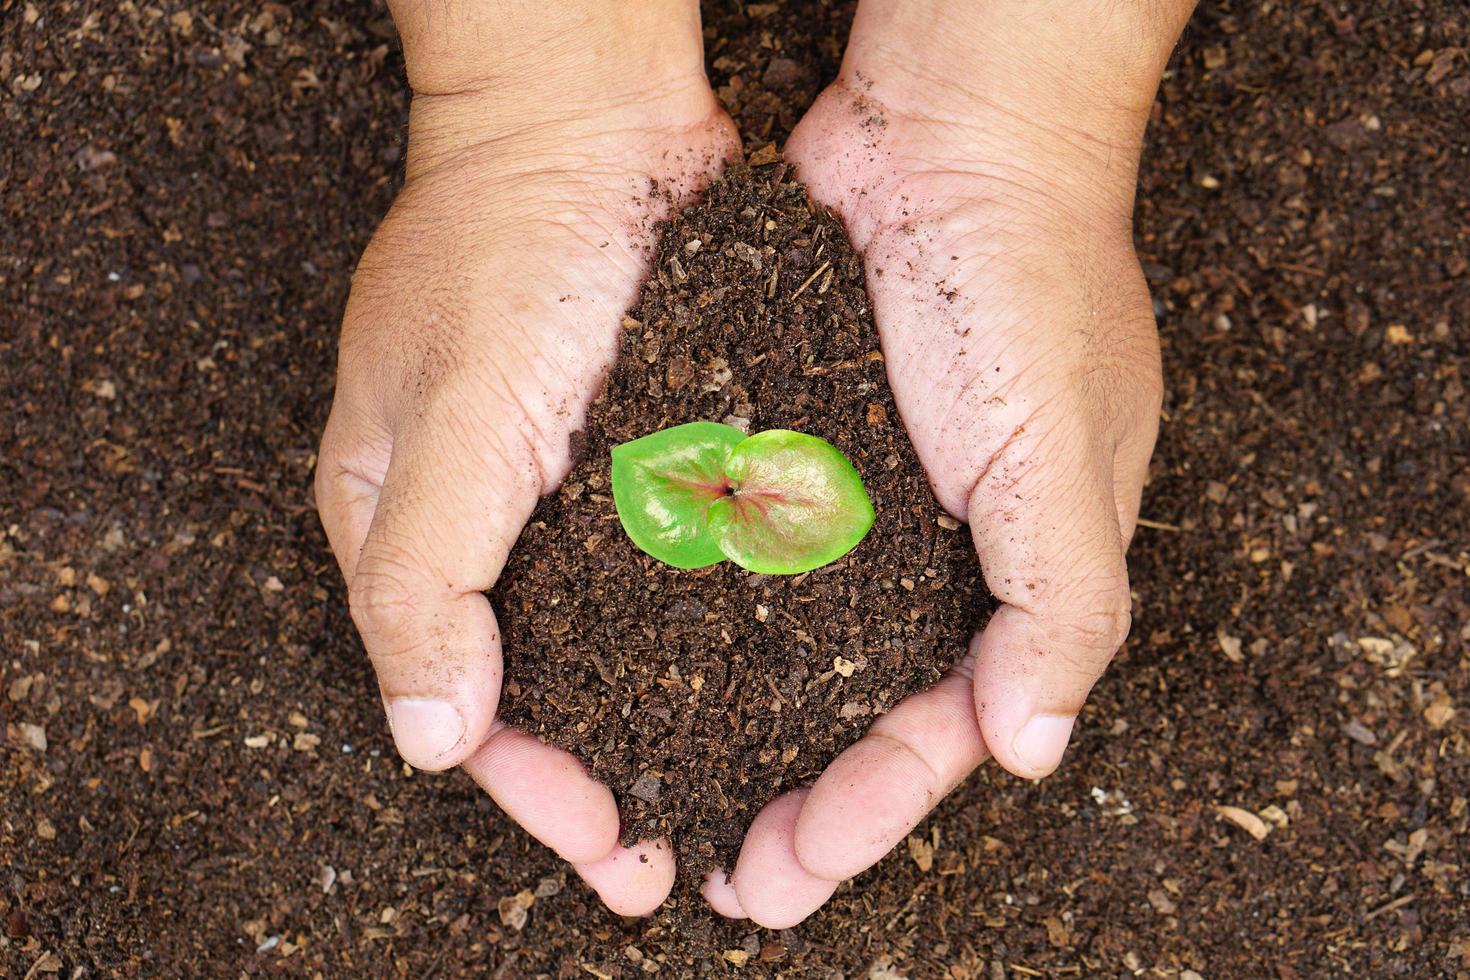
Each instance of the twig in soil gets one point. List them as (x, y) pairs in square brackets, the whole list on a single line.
[(434, 966), (824, 369), (1444, 561), (1305, 269), (1159, 525), (811, 278), (1418, 550), (48, 963), (1397, 903), (918, 894)]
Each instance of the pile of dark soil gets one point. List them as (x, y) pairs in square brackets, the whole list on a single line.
[(195, 776), (699, 696)]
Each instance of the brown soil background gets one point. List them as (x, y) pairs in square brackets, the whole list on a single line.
[(183, 193)]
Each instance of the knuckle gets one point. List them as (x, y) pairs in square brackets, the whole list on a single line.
[(380, 599), (1097, 626), (329, 461), (321, 490)]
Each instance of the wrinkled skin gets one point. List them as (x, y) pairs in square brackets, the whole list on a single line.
[(482, 319), (1024, 360), (983, 161)]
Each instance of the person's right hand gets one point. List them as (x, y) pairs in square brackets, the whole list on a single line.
[(482, 319), (983, 160)]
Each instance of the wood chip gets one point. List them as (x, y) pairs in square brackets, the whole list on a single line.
[(1162, 903), (512, 909), (20, 688), (1230, 646), (922, 853), (1359, 732), (33, 736), (1245, 820), (647, 788), (1276, 816), (765, 156), (1439, 713)]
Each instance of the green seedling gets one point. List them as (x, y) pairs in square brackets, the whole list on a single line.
[(778, 502)]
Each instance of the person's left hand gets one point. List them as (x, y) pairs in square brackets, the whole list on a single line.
[(1024, 359), (482, 320)]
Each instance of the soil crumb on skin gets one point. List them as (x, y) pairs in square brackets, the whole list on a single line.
[(699, 696)]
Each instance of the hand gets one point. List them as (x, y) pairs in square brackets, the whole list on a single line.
[(989, 187), (482, 318)]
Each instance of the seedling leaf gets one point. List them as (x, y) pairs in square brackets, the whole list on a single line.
[(664, 484), (798, 504), (779, 502)]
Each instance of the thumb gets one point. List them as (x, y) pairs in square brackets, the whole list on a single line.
[(1049, 540), (453, 502)]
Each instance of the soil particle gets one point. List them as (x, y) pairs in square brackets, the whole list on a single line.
[(687, 692)]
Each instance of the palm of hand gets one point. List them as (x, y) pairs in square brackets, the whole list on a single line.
[(1022, 356), (482, 319), (1024, 360)]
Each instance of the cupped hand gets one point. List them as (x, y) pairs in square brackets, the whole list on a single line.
[(482, 318), (1023, 356)]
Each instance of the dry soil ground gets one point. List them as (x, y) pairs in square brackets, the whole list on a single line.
[(195, 773)]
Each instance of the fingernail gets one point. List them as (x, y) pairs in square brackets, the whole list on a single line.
[(424, 730), (1041, 741)]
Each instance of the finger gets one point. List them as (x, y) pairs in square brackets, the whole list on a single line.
[(455, 498), (351, 467), (632, 880), (719, 891), (1048, 537), (880, 787), (548, 792), (770, 883), (1130, 473)]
